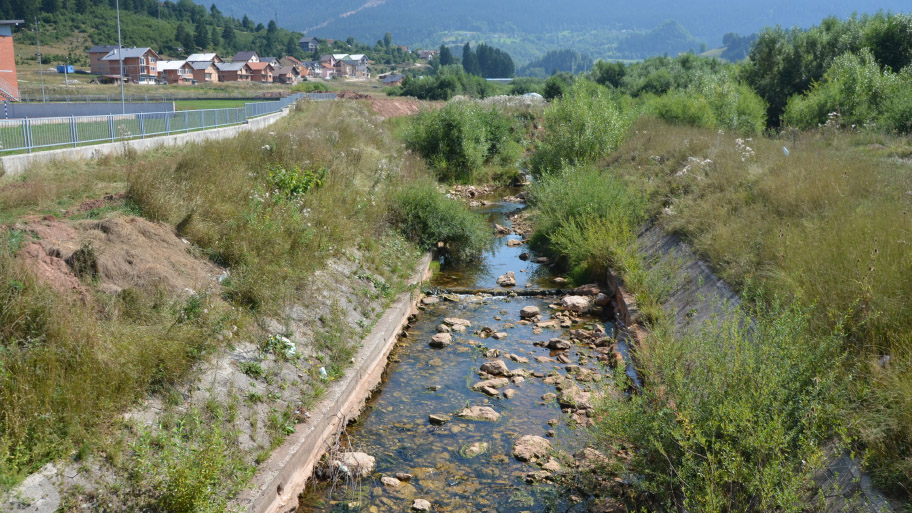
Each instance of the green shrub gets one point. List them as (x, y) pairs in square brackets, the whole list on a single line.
[(682, 108), (585, 125), (427, 217), (310, 87), (731, 418), (460, 138), (713, 101), (855, 91)]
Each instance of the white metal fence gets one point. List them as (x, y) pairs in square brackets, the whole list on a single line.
[(17, 135)]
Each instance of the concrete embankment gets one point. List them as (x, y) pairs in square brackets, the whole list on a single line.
[(280, 479)]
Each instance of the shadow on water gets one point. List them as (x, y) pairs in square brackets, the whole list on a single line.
[(420, 381)]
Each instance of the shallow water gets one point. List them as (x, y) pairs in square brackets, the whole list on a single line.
[(421, 380)]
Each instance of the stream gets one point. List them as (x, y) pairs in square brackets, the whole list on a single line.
[(461, 465)]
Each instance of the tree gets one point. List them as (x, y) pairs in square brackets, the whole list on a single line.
[(229, 38), (215, 38), (388, 40), (446, 56), (202, 35), (184, 37), (470, 61), (246, 23), (609, 73)]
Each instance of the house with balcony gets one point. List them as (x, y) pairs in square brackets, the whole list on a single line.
[(175, 72), (309, 43), (96, 54), (233, 72), (261, 72), (247, 57), (200, 57), (139, 64), (205, 72)]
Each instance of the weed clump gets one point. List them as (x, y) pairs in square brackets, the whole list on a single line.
[(427, 217)]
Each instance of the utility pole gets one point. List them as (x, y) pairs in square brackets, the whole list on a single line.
[(123, 105), (40, 67)]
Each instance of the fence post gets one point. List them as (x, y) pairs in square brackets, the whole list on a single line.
[(142, 125), (26, 134), (73, 132), (111, 125), (187, 120), (168, 124)]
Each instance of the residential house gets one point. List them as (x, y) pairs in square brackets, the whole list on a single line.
[(246, 57), (200, 57), (139, 64), (360, 58), (289, 61), (427, 54), (287, 75), (233, 72), (329, 59), (393, 80), (175, 72), (310, 70), (96, 53), (309, 43), (205, 72), (261, 72), (327, 70), (271, 60), (9, 81)]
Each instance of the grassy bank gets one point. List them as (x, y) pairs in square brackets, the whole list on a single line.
[(270, 208), (812, 228)]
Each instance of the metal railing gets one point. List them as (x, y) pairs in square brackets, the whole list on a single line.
[(6, 91), (32, 134)]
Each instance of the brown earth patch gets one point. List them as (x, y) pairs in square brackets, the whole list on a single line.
[(92, 204), (118, 253)]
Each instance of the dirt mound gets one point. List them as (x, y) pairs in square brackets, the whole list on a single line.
[(116, 253), (92, 204), (352, 95), (395, 107)]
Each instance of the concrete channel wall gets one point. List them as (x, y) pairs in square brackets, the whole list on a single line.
[(698, 296), (17, 164), (279, 480)]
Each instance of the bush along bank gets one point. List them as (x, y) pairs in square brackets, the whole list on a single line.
[(194, 281), (722, 422)]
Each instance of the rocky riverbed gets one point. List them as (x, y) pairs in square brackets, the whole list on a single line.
[(485, 399)]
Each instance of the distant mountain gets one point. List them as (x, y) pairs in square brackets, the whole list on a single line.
[(414, 21)]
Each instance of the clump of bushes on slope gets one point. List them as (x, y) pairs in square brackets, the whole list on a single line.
[(583, 126), (860, 93), (427, 217), (714, 101), (461, 138)]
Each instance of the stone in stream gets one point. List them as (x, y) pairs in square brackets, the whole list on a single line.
[(515, 242), (562, 358), (558, 344), (517, 358), (540, 260), (491, 383), (517, 379), (524, 256), (531, 448), (438, 419), (590, 289), (507, 280), (575, 397), (421, 505), (544, 359), (357, 464), (576, 304), (474, 449), (441, 340), (479, 413), (390, 482), (552, 466), (430, 300), (550, 396), (489, 391), (602, 300), (509, 393), (529, 312), (402, 476), (501, 230), (495, 368), (500, 335), (457, 324), (443, 328)]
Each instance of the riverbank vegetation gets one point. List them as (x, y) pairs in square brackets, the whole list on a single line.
[(259, 216), (797, 195)]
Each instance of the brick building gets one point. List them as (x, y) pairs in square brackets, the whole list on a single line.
[(9, 83)]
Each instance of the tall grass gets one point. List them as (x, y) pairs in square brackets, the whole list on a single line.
[(272, 206), (826, 226), (731, 418)]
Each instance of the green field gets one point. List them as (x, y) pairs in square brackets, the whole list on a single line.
[(208, 104)]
